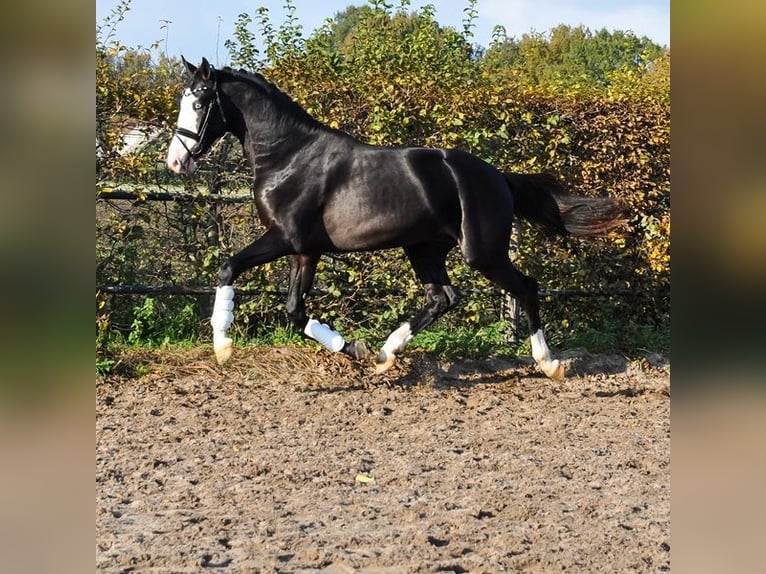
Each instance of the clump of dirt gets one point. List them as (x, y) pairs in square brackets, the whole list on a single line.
[(297, 460)]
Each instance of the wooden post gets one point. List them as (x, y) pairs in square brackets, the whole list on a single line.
[(510, 308)]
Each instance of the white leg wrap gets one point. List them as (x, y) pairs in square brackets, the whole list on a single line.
[(223, 317), (332, 340), (221, 320)]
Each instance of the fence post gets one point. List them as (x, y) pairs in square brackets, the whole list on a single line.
[(510, 309)]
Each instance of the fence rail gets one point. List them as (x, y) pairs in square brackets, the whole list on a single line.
[(181, 196), (199, 290)]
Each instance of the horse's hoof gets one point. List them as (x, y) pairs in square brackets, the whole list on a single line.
[(223, 353), (384, 362), (555, 371), (357, 350)]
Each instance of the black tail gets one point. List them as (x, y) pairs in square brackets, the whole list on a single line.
[(541, 198)]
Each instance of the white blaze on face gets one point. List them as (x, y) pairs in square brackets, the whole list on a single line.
[(179, 160)]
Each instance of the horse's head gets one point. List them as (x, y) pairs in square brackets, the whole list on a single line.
[(201, 120)]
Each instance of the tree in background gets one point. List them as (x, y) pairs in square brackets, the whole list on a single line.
[(568, 56)]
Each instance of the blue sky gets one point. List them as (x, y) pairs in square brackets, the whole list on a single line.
[(194, 25)]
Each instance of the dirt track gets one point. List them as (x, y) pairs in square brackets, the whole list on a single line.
[(295, 460)]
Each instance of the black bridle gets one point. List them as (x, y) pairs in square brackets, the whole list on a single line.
[(197, 136)]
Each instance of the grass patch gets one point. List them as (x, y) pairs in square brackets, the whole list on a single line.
[(463, 342), (447, 341), (625, 338)]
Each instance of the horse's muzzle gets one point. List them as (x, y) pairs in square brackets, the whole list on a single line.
[(180, 160)]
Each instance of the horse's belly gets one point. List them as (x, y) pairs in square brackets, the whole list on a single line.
[(376, 231)]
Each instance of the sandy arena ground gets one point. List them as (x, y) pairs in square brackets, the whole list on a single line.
[(295, 460)]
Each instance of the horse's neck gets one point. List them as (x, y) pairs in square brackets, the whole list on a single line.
[(270, 138)]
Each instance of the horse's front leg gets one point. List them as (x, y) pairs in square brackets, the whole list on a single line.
[(302, 269), (270, 246)]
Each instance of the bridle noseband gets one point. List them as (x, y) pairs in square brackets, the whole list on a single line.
[(197, 136)]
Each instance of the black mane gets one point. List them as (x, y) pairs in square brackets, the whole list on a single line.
[(284, 104)]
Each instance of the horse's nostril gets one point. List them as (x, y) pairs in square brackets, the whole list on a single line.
[(175, 165)]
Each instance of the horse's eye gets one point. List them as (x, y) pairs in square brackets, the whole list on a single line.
[(197, 106)]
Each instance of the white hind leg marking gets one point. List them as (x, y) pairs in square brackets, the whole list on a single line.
[(396, 342), (542, 355)]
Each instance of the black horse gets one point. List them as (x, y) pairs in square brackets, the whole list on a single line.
[(320, 190)]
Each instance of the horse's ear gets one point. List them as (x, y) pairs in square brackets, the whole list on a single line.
[(190, 68), (204, 68)]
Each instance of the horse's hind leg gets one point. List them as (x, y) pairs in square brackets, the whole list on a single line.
[(428, 261), (302, 270), (502, 272)]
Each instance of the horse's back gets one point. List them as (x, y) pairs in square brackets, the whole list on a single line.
[(398, 196)]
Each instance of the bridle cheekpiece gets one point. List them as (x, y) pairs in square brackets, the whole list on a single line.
[(197, 136)]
